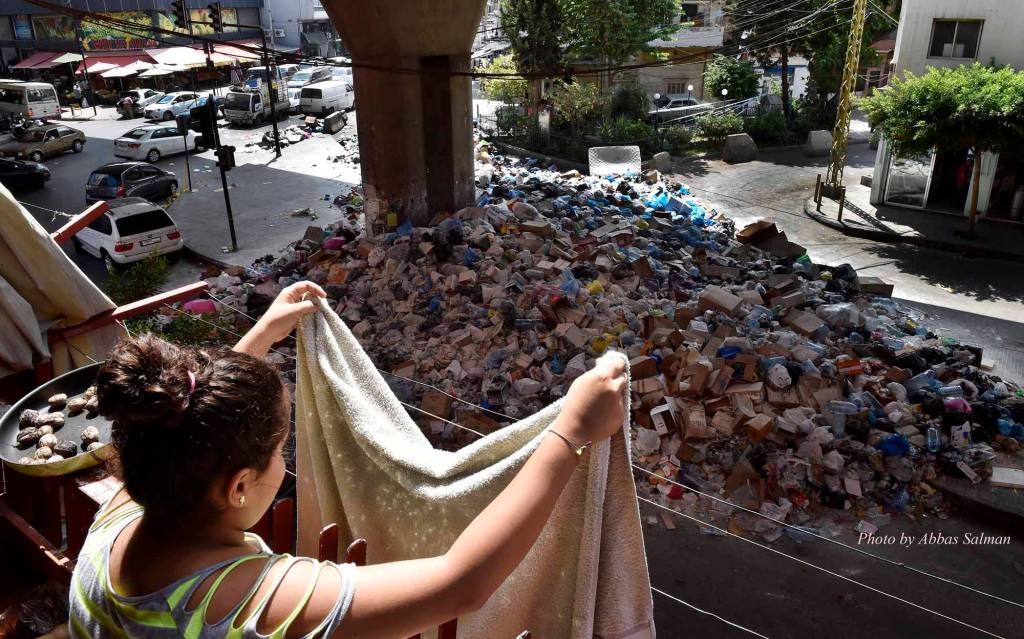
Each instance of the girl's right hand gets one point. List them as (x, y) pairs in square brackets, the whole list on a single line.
[(593, 408)]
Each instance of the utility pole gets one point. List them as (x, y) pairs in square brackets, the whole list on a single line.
[(271, 77), (85, 65), (833, 186)]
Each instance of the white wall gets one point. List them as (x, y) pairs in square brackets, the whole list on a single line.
[(288, 15), (1001, 35)]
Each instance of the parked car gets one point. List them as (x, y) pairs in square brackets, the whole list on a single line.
[(153, 141), (131, 230), (16, 174), (323, 98), (294, 99), (29, 99), (141, 98), (308, 76), (130, 179), (679, 106), (170, 105), (43, 142)]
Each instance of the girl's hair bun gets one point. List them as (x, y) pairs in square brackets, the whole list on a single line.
[(144, 382)]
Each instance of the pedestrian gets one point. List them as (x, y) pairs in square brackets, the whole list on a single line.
[(199, 436), (128, 106), (77, 91)]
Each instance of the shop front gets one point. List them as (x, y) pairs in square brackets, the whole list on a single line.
[(940, 181)]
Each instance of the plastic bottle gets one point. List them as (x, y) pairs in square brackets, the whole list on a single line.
[(839, 411), (933, 439), (951, 391), (919, 381)]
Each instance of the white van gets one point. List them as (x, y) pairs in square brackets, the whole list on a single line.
[(29, 99), (324, 98)]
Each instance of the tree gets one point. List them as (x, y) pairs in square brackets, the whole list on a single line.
[(534, 29), (738, 76), (503, 89), (978, 107), (577, 102), (612, 31)]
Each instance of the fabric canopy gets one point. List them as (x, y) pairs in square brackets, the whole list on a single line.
[(112, 62), (160, 69), (65, 58), (125, 71), (37, 60), (178, 56), (239, 54), (41, 288)]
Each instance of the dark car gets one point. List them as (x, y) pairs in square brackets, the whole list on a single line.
[(130, 179), (16, 174)]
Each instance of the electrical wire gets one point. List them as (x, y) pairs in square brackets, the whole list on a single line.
[(822, 569), (705, 612)]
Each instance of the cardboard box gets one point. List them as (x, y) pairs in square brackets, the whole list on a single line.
[(803, 322), (718, 299), (760, 426), (874, 286), (643, 366), (437, 404), (695, 422)]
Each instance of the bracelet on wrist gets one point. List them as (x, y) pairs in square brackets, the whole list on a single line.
[(572, 445)]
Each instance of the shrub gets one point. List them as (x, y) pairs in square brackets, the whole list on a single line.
[(738, 76), (138, 281), (678, 139), (631, 101), (577, 103), (623, 129), (715, 127), (503, 89), (767, 128), (510, 119)]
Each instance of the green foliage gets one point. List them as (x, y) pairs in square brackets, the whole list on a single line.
[(534, 29), (577, 103), (186, 330), (631, 101), (976, 106), (715, 127), (140, 280), (510, 118), (678, 139), (624, 129), (738, 76), (614, 30), (768, 127), (503, 89)]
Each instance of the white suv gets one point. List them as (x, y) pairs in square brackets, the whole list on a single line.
[(131, 231), (172, 104), (153, 141)]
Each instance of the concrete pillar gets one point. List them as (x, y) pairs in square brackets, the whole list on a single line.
[(415, 127)]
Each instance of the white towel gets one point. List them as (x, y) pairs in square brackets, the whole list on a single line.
[(365, 465)]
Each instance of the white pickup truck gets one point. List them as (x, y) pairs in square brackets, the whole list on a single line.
[(249, 104)]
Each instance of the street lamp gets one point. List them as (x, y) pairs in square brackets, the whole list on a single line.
[(725, 92), (657, 110), (689, 92)]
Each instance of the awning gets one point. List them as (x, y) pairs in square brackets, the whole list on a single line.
[(178, 56), (67, 58), (100, 63), (39, 58), (241, 55), (161, 69), (131, 69)]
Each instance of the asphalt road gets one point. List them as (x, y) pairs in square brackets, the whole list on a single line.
[(65, 192)]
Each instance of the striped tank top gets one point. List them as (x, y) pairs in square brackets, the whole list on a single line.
[(97, 611)]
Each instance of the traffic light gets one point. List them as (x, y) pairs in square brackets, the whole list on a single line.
[(226, 157), (208, 50), (180, 14), (215, 17)]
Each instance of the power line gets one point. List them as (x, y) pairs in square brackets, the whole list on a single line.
[(822, 569), (710, 614)]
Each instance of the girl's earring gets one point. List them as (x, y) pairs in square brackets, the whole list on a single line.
[(241, 500)]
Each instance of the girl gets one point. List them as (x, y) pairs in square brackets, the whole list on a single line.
[(199, 436)]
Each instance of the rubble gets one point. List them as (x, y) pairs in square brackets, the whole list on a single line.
[(788, 387)]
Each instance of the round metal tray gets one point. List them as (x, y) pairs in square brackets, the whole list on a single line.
[(73, 384)]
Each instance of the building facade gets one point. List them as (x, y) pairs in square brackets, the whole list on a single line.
[(302, 25), (949, 33), (27, 31), (701, 29)]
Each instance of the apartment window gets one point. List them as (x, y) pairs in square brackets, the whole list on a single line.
[(676, 87), (955, 39), (690, 12)]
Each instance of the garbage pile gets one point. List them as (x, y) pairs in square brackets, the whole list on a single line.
[(757, 375), (296, 133)]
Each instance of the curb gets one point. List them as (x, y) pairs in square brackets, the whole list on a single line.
[(196, 255), (959, 493), (894, 238)]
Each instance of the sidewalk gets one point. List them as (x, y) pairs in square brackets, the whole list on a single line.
[(103, 112), (924, 228)]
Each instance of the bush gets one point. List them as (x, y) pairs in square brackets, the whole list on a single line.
[(503, 89), (767, 128), (715, 127), (186, 330), (631, 101), (623, 129), (577, 103), (738, 76), (510, 119), (138, 281), (678, 139)]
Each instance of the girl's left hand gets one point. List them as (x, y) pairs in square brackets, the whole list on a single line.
[(280, 319)]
